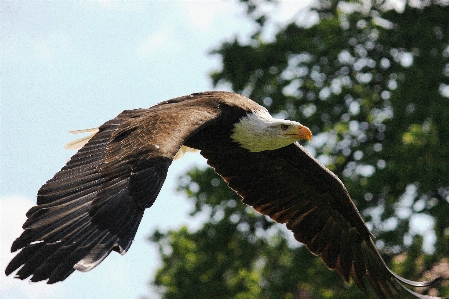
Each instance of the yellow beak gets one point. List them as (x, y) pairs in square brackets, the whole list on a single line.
[(301, 133), (304, 133)]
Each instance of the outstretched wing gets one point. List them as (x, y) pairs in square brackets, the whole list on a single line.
[(291, 187), (95, 203)]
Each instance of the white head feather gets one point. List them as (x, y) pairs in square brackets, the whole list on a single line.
[(259, 131)]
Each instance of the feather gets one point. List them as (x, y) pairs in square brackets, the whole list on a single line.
[(79, 143), (95, 203)]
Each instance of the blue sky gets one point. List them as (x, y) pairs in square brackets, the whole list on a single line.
[(74, 65)]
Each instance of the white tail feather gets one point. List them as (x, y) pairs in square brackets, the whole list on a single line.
[(184, 149), (79, 143)]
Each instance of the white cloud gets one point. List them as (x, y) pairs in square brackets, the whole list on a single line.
[(156, 42), (208, 15), (203, 15)]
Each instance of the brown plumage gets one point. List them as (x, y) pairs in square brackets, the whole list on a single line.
[(95, 203)]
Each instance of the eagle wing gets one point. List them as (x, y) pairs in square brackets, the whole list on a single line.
[(95, 203), (292, 187)]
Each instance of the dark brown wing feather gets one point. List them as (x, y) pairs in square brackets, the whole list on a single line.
[(67, 226), (96, 202), (291, 187)]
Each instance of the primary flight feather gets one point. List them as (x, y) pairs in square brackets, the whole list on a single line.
[(95, 203)]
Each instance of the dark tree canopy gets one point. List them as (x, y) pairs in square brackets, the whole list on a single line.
[(373, 85)]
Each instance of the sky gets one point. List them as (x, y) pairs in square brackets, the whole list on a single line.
[(74, 65)]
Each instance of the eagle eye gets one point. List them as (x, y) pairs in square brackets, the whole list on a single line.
[(284, 127)]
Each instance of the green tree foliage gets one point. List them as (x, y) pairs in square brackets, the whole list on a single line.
[(373, 85)]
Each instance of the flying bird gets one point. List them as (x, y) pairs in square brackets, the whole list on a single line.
[(95, 203)]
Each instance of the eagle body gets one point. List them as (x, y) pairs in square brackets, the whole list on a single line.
[(95, 203)]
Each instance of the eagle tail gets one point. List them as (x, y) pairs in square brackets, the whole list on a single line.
[(79, 143)]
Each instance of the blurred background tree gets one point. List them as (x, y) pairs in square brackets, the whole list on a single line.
[(372, 83)]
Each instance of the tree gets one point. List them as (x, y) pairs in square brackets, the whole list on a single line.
[(373, 85)]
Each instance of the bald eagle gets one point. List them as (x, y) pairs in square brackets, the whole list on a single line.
[(95, 203)]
